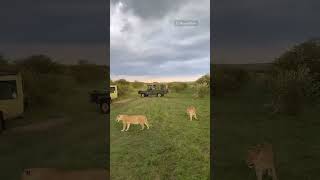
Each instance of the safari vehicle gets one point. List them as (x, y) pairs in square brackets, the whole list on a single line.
[(11, 97), (104, 98), (154, 89)]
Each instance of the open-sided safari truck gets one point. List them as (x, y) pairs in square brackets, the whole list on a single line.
[(11, 97), (104, 97), (154, 89)]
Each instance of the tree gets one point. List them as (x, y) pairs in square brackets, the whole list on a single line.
[(3, 61), (306, 53), (38, 64), (83, 62), (205, 79)]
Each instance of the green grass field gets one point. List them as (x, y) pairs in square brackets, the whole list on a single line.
[(173, 148), (240, 120), (78, 143)]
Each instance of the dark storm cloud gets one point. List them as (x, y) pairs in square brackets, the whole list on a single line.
[(54, 27), (53, 21), (239, 26)]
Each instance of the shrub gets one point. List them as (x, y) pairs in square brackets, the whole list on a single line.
[(202, 90), (177, 86), (137, 84), (290, 89), (124, 87), (42, 89), (87, 73), (226, 80)]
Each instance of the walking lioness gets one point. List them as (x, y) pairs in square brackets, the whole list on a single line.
[(191, 111), (56, 174), (260, 157), (127, 120)]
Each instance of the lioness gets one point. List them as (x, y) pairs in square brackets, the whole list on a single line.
[(260, 157), (132, 119), (56, 174), (191, 111)]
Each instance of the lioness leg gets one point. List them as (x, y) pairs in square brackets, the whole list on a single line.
[(259, 174), (146, 125), (142, 126), (274, 176), (195, 116), (123, 126), (128, 125), (190, 115)]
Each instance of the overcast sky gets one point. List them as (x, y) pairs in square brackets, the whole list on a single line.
[(145, 43), (255, 31), (66, 30), (244, 31)]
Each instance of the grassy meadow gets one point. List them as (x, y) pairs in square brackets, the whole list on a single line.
[(241, 120), (77, 141), (173, 147)]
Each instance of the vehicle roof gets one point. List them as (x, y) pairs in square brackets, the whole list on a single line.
[(6, 73)]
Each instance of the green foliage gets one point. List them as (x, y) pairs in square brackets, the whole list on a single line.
[(205, 79), (296, 81), (3, 61), (88, 73), (43, 88), (202, 90), (228, 80), (291, 89), (177, 86), (306, 53), (39, 64), (124, 87), (137, 84), (202, 86)]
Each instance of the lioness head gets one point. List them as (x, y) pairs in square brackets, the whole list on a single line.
[(252, 155), (119, 117)]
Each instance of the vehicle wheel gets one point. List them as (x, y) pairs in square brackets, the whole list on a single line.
[(2, 123), (159, 95), (143, 95), (105, 108)]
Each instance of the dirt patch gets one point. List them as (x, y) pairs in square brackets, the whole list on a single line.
[(42, 126)]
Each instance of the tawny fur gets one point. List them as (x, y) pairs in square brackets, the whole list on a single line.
[(56, 174), (127, 120), (261, 158), (192, 112)]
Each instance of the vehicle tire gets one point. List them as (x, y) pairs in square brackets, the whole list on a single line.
[(2, 123), (159, 95), (105, 107), (143, 95)]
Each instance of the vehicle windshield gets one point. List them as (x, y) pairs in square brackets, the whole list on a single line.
[(112, 89), (8, 90)]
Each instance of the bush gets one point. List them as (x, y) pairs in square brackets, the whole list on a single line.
[(290, 89), (137, 84), (202, 90), (124, 87), (87, 73), (226, 80), (42, 89), (177, 86), (205, 79)]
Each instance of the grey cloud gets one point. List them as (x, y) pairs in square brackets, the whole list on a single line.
[(152, 9), (271, 25)]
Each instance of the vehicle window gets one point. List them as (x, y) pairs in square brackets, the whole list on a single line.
[(8, 90), (112, 89)]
